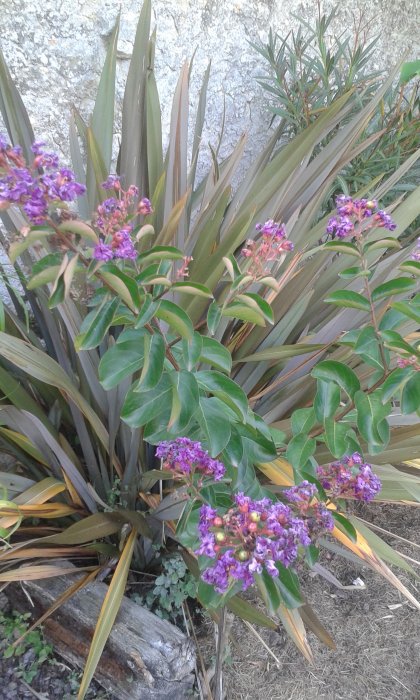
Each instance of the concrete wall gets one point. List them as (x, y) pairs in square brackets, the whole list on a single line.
[(55, 50)]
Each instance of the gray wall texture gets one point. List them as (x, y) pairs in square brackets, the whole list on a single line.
[(55, 50)]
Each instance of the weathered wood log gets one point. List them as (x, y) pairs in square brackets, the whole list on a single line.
[(145, 658)]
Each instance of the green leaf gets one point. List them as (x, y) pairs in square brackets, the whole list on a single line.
[(154, 358), (409, 70), (411, 266), (216, 425), (299, 449), (394, 382), (341, 247), (330, 370), (367, 346), (383, 243), (244, 312), (400, 285), (99, 323), (335, 437), (288, 584), (269, 591), (193, 288), (49, 274), (184, 400), (160, 252), (348, 299), (176, 318), (191, 350), (147, 311), (353, 273), (127, 287), (302, 420), (394, 341), (410, 310), (214, 316), (215, 354), (410, 397), (225, 389), (141, 407), (344, 525), (327, 399), (80, 228), (120, 361), (246, 611), (18, 247), (254, 301), (371, 413)]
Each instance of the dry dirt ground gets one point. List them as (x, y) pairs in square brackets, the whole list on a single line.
[(376, 631)]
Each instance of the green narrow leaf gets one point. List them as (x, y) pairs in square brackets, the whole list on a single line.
[(215, 354), (214, 316), (327, 399), (410, 397), (213, 420), (121, 360), (299, 449), (225, 389), (141, 407), (184, 400)]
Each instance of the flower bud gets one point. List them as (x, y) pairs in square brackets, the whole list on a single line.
[(218, 522), (255, 516), (252, 527), (220, 537), (243, 555), (370, 204)]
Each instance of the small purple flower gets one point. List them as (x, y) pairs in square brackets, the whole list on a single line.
[(184, 456), (350, 477), (111, 183), (303, 493), (103, 252), (144, 207), (351, 213)]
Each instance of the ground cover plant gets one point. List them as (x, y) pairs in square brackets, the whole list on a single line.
[(186, 362)]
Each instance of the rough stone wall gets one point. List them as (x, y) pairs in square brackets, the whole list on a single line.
[(55, 50)]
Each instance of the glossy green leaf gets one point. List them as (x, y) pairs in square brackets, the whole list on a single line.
[(327, 399), (214, 316), (299, 449), (400, 285), (99, 323), (335, 437), (342, 247), (141, 407), (184, 400), (225, 389), (193, 288), (330, 370), (345, 525), (176, 318), (121, 361), (371, 414), (215, 354), (213, 420), (410, 397), (154, 358), (348, 299), (302, 420)]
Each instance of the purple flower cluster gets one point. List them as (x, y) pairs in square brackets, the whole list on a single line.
[(415, 255), (411, 361), (24, 185), (352, 215), (349, 477), (271, 246), (256, 535), (185, 457), (112, 219)]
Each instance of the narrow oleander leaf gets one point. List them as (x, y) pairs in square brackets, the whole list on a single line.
[(330, 370), (348, 299)]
